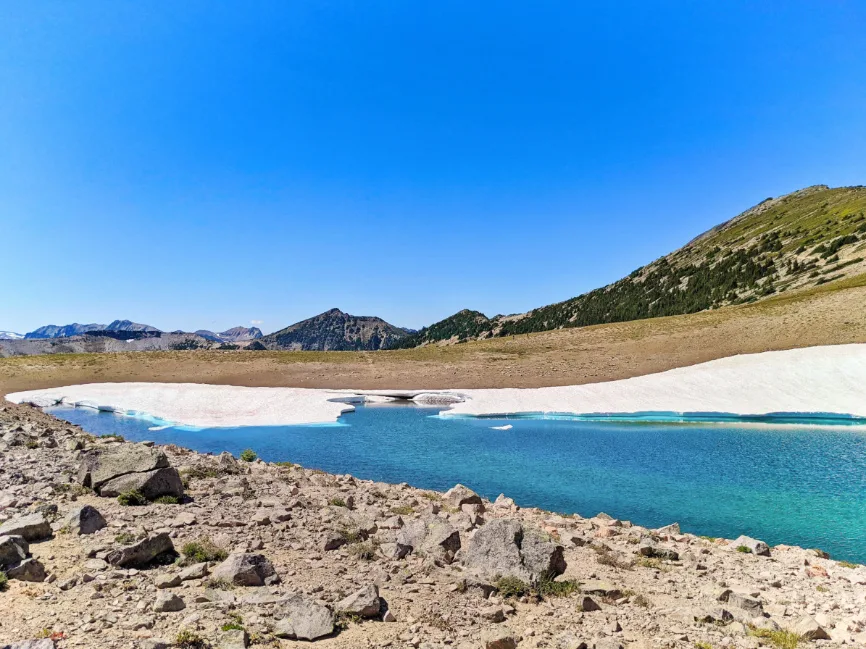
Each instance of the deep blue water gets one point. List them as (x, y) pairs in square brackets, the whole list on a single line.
[(799, 485)]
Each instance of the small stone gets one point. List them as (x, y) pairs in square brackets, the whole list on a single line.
[(755, 546), (809, 628), (27, 570), (498, 638), (588, 604), (243, 569), (195, 571), (363, 603), (459, 495), (84, 520), (168, 603), (234, 639), (167, 581)]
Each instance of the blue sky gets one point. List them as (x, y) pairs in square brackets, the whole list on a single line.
[(202, 164)]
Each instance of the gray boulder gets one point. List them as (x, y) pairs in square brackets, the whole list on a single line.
[(27, 570), (809, 629), (98, 467), (233, 639), (363, 603), (84, 520), (228, 463), (195, 571), (12, 550), (44, 643), (304, 620), (747, 603), (142, 552), (151, 484), (32, 527), (649, 548), (432, 536), (458, 495), (755, 546), (168, 602), (245, 569), (505, 548)]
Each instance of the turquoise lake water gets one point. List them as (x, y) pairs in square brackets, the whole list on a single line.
[(801, 485)]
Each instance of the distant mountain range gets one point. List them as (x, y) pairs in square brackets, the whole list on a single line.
[(334, 331), (75, 329), (233, 335), (813, 236), (806, 238)]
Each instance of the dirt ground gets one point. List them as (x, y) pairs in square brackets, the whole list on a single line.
[(827, 315)]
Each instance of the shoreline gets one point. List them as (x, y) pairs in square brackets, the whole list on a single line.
[(810, 382), (635, 588)]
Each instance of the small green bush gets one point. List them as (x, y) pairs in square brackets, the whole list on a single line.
[(125, 538), (511, 587), (132, 498), (114, 436), (744, 549), (201, 551), (232, 626), (187, 639), (4, 581), (337, 502), (403, 510), (167, 500), (848, 564), (248, 455), (781, 639), (547, 587)]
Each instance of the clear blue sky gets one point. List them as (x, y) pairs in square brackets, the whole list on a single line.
[(206, 164)]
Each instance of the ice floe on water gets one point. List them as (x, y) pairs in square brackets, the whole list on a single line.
[(830, 380)]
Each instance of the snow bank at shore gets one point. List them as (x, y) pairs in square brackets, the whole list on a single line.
[(198, 405), (829, 379)]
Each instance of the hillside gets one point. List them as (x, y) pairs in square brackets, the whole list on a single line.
[(810, 237), (334, 331)]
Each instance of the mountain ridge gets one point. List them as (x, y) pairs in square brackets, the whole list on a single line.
[(808, 237), (334, 330)]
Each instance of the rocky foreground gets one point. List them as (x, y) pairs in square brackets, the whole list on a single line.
[(106, 543)]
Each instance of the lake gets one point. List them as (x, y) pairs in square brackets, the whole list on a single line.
[(800, 485)]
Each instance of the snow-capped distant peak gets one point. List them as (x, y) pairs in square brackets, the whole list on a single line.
[(10, 335)]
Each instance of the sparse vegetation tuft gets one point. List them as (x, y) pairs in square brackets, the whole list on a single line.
[(780, 639), (248, 455), (512, 587), (548, 587), (133, 498), (187, 639), (201, 551)]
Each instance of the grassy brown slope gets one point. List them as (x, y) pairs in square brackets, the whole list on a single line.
[(830, 314)]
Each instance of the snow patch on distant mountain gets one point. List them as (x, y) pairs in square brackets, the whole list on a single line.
[(10, 335)]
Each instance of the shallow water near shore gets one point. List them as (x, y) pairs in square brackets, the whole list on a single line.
[(801, 485)]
